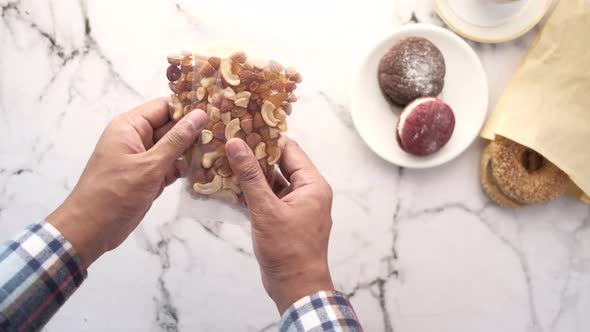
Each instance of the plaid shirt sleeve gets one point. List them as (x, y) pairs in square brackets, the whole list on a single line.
[(39, 270), (322, 311)]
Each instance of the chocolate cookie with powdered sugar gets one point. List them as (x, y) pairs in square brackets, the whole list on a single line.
[(412, 68)]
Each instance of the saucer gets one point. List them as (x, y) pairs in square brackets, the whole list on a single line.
[(491, 21)]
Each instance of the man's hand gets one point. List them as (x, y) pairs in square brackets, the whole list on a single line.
[(135, 158), (291, 233)]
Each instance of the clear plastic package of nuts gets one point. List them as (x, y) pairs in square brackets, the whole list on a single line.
[(244, 98)]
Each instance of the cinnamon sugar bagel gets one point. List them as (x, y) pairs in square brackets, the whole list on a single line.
[(523, 175)]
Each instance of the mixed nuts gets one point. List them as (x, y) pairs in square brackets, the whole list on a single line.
[(247, 99)]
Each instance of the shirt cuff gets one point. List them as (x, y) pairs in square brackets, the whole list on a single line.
[(39, 270), (321, 311)]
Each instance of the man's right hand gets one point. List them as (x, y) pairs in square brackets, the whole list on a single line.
[(291, 233)]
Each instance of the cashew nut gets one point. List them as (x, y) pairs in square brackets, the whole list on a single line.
[(209, 188), (243, 94), (267, 113), (273, 133), (232, 128), (280, 114), (260, 151), (206, 136), (271, 161), (210, 157), (259, 63), (231, 183), (226, 73), (176, 108), (273, 158), (225, 118), (242, 99), (282, 127), (242, 102), (228, 93), (177, 114), (208, 81), (290, 71), (214, 113), (174, 59), (201, 93), (225, 195)]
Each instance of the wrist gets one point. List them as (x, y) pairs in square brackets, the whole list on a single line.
[(286, 290), (78, 228)]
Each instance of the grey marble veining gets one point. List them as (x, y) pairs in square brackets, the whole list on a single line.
[(415, 250)]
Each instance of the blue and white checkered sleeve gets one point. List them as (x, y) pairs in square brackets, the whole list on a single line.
[(321, 311), (39, 270)]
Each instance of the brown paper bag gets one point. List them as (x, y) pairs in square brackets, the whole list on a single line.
[(546, 105)]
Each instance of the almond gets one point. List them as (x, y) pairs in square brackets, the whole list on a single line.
[(201, 106), (206, 70), (253, 106), (210, 175), (257, 121), (227, 105), (264, 133), (174, 87), (246, 122), (218, 130), (199, 176), (290, 71), (241, 135), (238, 112), (182, 96), (253, 139), (275, 67), (216, 99), (290, 86), (192, 96), (296, 78), (288, 108), (214, 62), (186, 68), (238, 57)]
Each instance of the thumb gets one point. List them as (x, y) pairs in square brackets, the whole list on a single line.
[(256, 190), (180, 137)]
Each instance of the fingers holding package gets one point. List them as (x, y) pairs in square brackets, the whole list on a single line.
[(290, 233), (135, 158)]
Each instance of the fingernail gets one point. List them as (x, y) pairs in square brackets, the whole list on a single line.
[(236, 148), (197, 119)]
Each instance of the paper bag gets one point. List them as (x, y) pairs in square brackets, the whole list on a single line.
[(546, 105)]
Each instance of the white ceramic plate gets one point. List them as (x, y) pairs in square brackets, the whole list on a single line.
[(491, 21), (465, 90)]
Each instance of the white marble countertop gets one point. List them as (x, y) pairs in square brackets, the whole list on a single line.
[(416, 250)]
